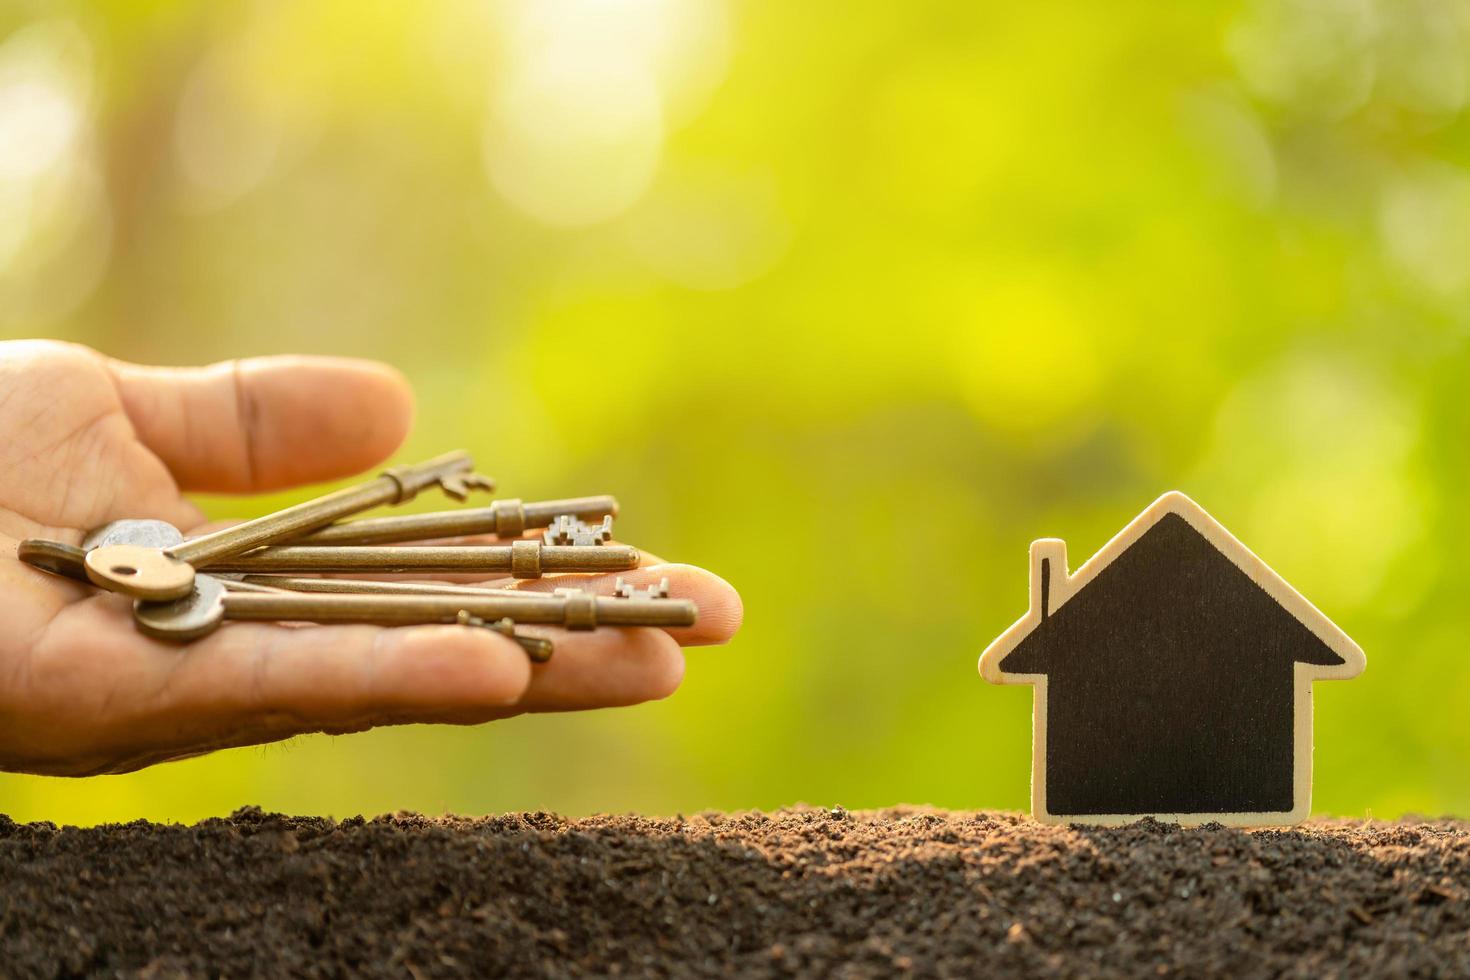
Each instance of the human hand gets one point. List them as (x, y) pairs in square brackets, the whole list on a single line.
[(85, 440)]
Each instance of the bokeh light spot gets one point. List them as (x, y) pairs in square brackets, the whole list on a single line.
[(1315, 56), (224, 145), (685, 44), (1319, 452), (1424, 62), (575, 139), (578, 115), (1424, 219), (43, 90)]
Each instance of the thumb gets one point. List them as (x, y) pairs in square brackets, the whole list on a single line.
[(266, 422)]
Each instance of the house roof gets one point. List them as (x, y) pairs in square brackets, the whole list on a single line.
[(1064, 587)]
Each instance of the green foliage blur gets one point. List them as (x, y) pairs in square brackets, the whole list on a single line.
[(848, 302)]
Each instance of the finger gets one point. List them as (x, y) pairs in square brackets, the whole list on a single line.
[(270, 682), (605, 668), (267, 422), (252, 682)]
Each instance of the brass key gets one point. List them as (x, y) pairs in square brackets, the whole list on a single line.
[(69, 561), (503, 518), (211, 604), (521, 559), (538, 648), (168, 573)]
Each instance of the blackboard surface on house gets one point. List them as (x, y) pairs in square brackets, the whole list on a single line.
[(1173, 677)]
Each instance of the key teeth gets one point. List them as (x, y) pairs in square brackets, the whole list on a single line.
[(458, 485), (537, 648), (626, 590), (568, 530)]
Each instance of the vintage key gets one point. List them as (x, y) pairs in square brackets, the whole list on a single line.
[(70, 561), (521, 559), (503, 518), (538, 649), (211, 604), (573, 532), (168, 573), (163, 534)]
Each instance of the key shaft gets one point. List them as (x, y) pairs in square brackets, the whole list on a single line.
[(211, 603), (362, 586), (503, 518), (522, 559), (579, 610), (394, 486)]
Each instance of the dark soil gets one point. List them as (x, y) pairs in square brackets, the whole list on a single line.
[(799, 891)]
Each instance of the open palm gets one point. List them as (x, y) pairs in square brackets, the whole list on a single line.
[(85, 440)]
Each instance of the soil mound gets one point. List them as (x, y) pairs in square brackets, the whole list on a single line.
[(826, 892)]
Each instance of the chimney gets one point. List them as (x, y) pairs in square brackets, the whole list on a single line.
[(1048, 575)]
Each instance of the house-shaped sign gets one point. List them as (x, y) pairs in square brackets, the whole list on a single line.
[(1173, 675)]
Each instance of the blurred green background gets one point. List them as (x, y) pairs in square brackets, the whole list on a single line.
[(848, 302)]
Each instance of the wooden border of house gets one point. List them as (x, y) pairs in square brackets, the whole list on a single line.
[(1055, 588)]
